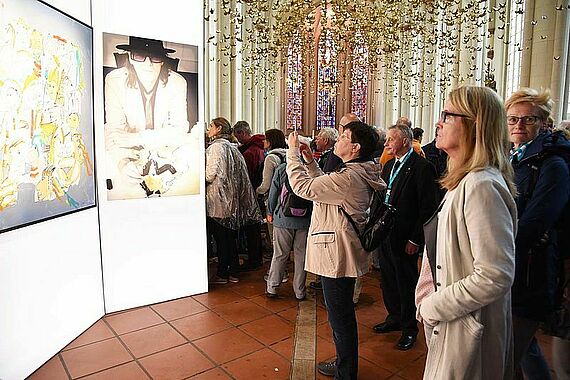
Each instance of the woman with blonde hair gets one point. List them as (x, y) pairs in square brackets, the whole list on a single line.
[(540, 161), (463, 295)]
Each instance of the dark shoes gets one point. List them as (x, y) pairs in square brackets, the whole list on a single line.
[(386, 327), (217, 280), (271, 295), (249, 267), (406, 342), (327, 368), (316, 285)]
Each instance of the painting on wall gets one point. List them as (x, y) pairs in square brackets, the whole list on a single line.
[(46, 114), (151, 104)]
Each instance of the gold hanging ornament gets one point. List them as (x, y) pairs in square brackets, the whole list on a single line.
[(415, 43)]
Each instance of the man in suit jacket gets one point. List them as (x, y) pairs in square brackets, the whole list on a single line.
[(412, 189)]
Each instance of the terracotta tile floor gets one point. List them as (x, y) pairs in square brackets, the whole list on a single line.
[(232, 332)]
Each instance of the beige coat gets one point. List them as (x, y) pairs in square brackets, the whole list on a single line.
[(471, 309), (333, 247)]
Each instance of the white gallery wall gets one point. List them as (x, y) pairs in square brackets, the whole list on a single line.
[(153, 249), (59, 276), (50, 278)]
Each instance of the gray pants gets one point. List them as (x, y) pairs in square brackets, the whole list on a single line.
[(285, 239), (560, 355)]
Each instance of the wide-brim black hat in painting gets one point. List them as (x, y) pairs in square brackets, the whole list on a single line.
[(154, 47)]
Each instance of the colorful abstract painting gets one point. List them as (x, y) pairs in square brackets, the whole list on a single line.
[(151, 104), (46, 114)]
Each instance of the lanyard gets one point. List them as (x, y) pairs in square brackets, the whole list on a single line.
[(394, 174)]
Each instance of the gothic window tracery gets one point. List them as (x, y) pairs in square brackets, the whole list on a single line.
[(326, 82)]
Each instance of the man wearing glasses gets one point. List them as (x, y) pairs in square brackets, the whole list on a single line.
[(146, 115)]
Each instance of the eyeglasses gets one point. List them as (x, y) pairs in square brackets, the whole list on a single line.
[(444, 114), (139, 56), (527, 120)]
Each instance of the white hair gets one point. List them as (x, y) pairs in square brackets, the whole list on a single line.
[(329, 133)]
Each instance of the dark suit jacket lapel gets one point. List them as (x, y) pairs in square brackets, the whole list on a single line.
[(386, 170), (403, 176)]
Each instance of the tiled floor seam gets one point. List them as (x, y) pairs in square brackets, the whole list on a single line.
[(86, 344), (63, 364), (216, 365), (128, 350), (188, 341), (304, 345), (105, 369)]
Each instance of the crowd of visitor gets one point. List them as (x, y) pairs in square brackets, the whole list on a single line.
[(483, 209)]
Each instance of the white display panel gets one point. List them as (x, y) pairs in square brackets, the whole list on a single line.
[(51, 289), (50, 278), (153, 249)]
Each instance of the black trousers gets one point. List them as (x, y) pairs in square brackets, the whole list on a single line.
[(228, 261), (400, 275), (342, 319), (253, 238)]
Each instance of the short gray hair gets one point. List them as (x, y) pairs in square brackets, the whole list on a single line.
[(242, 126), (329, 133), (404, 120), (405, 132)]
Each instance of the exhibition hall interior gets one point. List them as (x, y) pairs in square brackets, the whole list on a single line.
[(114, 258)]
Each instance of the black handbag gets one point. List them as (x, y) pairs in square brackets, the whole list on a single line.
[(379, 224)]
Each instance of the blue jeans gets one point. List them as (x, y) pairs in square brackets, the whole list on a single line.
[(533, 363), (528, 357), (342, 319)]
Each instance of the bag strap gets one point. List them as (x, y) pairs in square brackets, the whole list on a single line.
[(352, 222), (280, 156)]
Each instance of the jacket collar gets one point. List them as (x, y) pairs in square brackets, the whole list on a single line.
[(548, 143)]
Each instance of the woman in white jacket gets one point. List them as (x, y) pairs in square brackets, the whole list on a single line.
[(463, 295)]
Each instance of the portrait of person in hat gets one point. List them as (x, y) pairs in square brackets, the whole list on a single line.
[(146, 119)]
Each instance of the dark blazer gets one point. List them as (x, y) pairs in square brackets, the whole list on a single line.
[(329, 161), (437, 157), (415, 195)]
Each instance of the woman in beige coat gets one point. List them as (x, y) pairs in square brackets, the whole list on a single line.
[(463, 295)]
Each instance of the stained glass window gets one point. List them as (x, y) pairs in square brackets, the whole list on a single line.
[(359, 79), (327, 82), (294, 85)]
